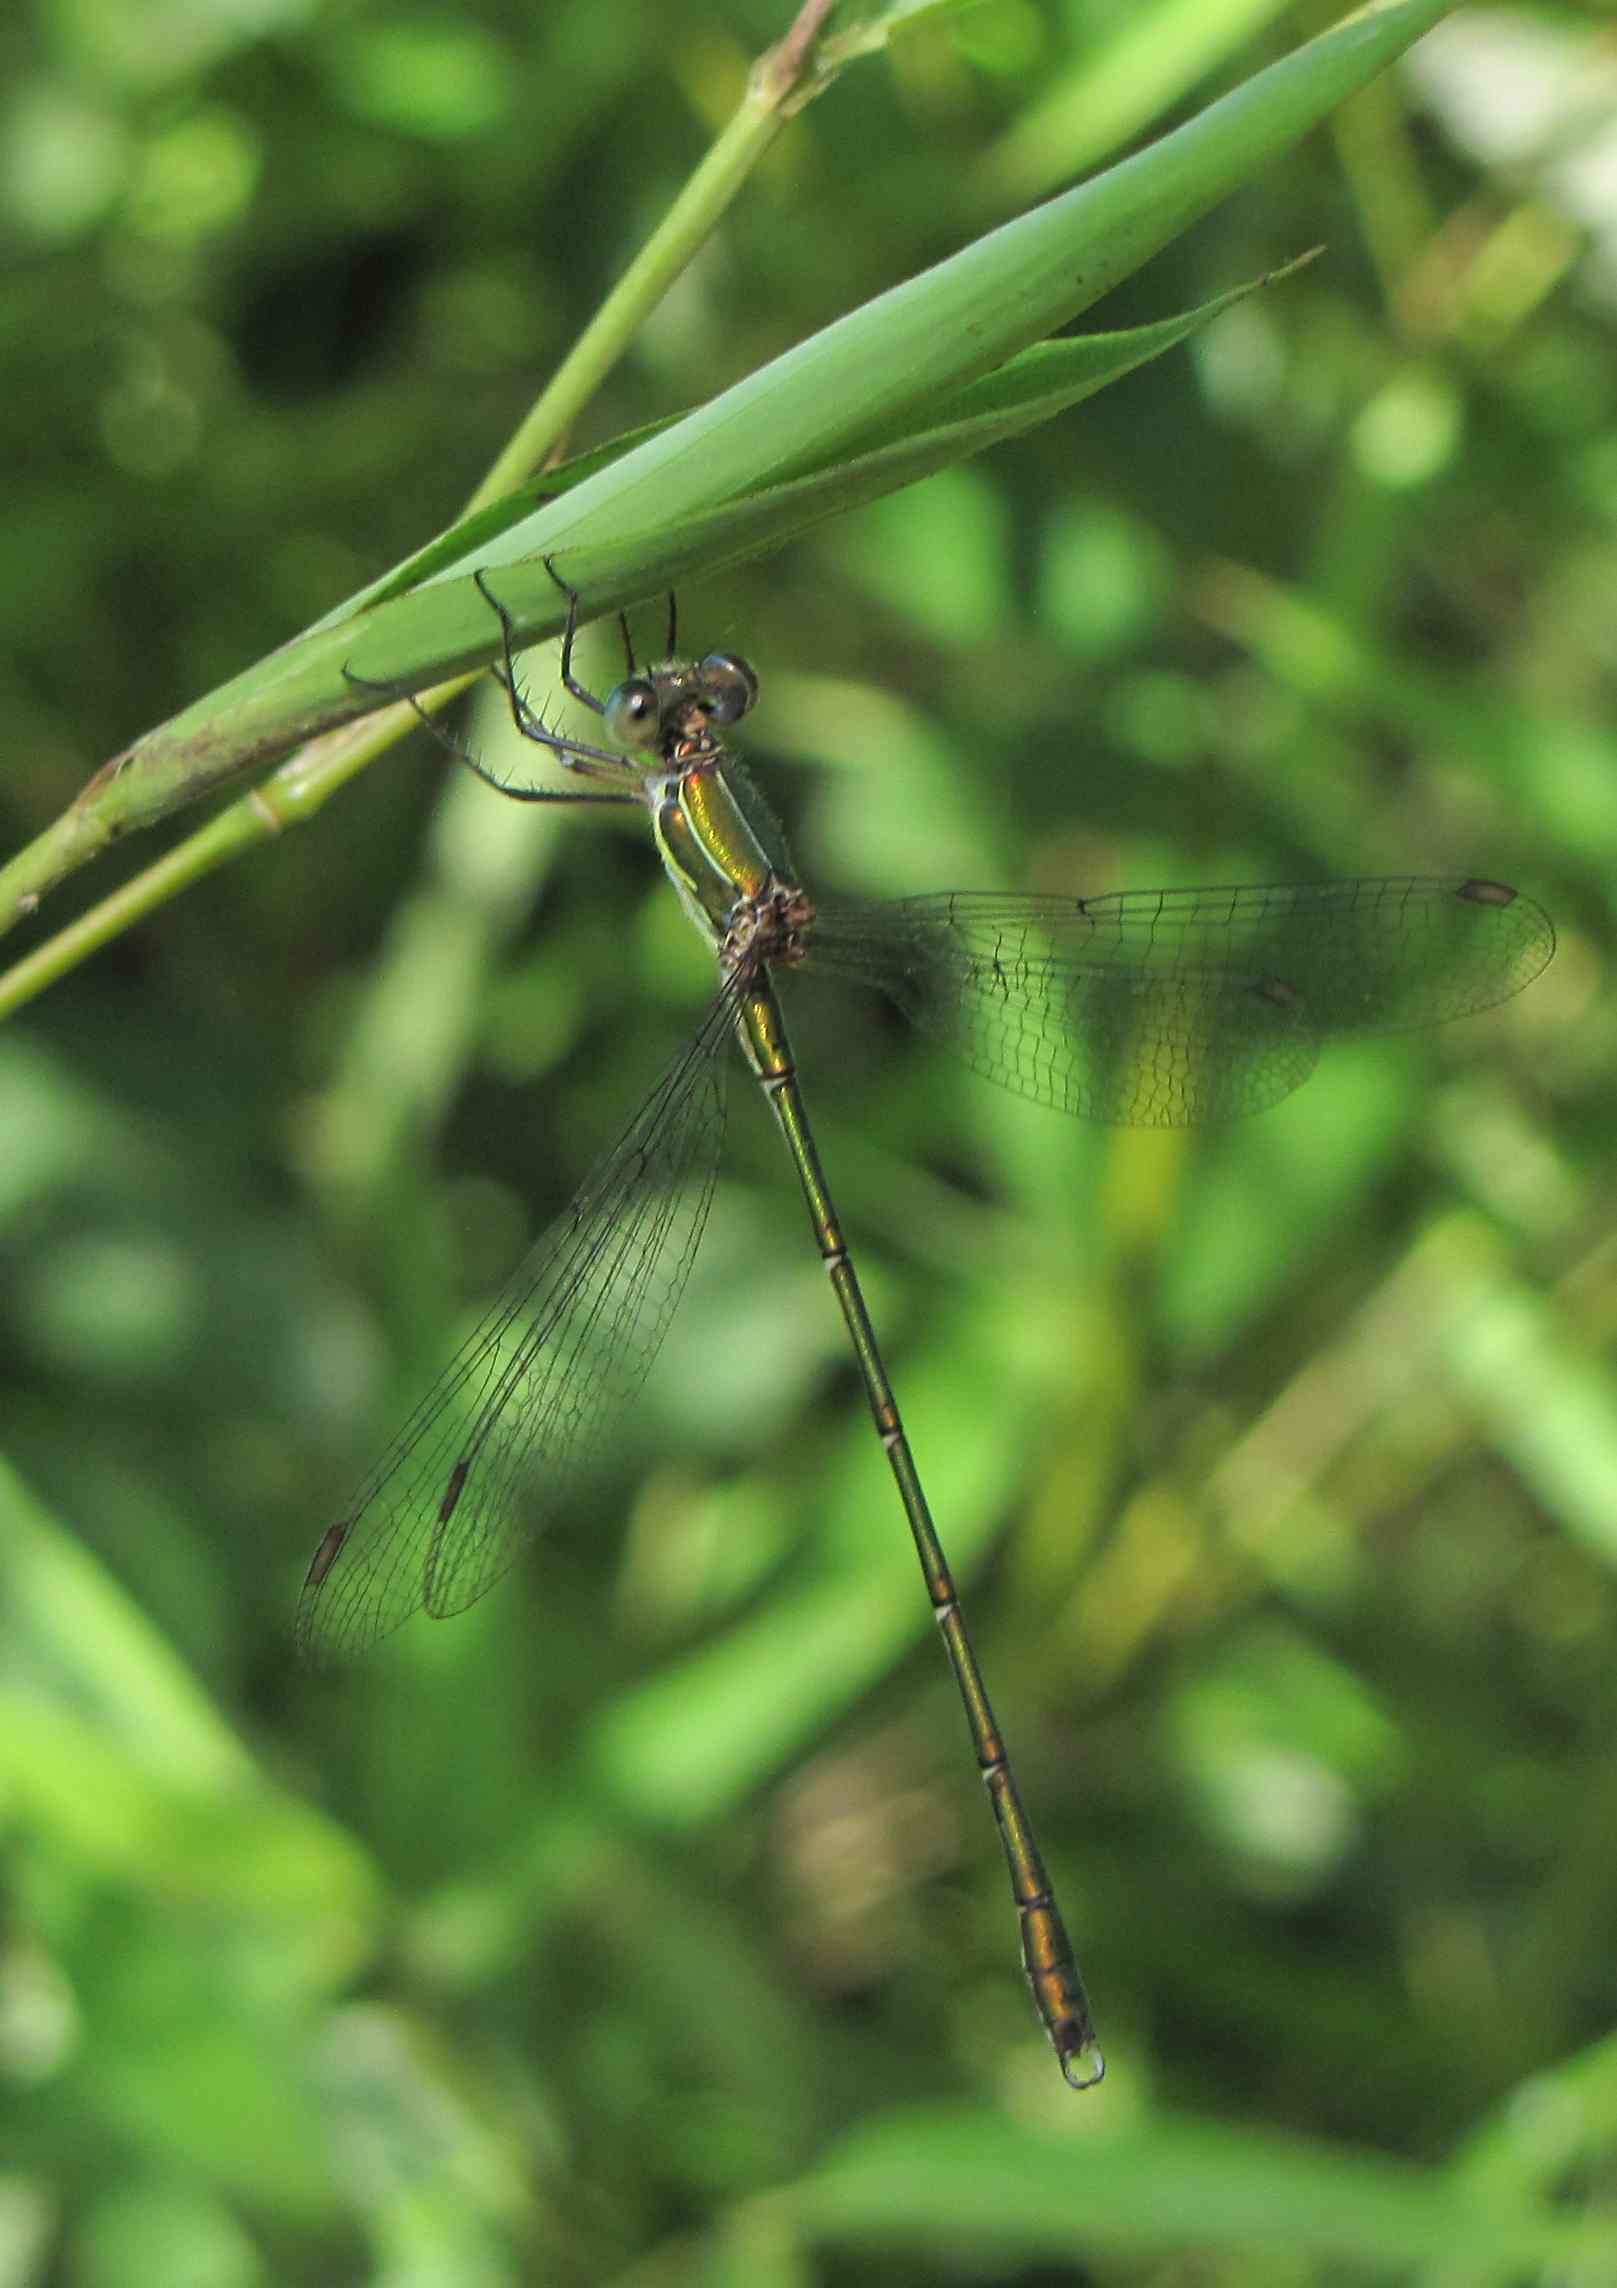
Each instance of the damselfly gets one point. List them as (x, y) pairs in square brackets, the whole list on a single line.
[(1151, 1007)]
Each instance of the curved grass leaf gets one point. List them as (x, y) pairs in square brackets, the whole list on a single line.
[(728, 479)]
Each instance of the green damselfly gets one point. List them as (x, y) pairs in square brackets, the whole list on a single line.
[(1150, 1007)]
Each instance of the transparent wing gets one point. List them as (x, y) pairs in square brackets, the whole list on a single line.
[(1158, 1008), (496, 1446)]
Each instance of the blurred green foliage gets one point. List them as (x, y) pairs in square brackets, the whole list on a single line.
[(644, 1924)]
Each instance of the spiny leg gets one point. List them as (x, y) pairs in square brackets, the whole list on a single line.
[(463, 754), (574, 754), (570, 682), (630, 663)]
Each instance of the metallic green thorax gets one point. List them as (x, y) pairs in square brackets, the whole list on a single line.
[(712, 855), (728, 885)]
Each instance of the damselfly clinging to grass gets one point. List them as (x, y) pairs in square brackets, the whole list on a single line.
[(1154, 1007)]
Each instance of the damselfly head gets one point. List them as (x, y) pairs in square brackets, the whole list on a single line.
[(679, 701)]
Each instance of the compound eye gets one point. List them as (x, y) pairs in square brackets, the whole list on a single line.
[(634, 715), (729, 685)]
